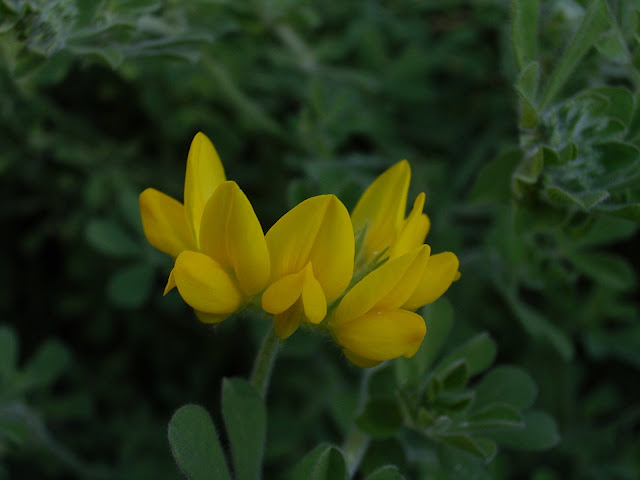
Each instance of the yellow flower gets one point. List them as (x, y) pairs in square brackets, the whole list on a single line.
[(375, 321), (220, 253), (311, 249), (170, 226), (379, 216), (371, 322)]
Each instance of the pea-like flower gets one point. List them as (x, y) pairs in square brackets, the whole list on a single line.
[(375, 321), (311, 249), (218, 244), (372, 322)]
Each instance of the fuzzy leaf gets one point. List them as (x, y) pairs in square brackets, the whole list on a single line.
[(324, 462), (245, 417), (195, 446)]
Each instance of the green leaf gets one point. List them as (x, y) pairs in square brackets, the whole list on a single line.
[(527, 83), (493, 183), (568, 153), (324, 462), (479, 447), (390, 472), (613, 46), (630, 212), (438, 318), (560, 197), (383, 453), (381, 417), (527, 87), (528, 114), (454, 403), (49, 362), (506, 384), (606, 230), (195, 446), (459, 464), (495, 415), (551, 157), (621, 343), (617, 155), (456, 375), (585, 201), (531, 167), (8, 353), (620, 103), (606, 268), (245, 418), (110, 239), (539, 433), (595, 22), (524, 28), (130, 287), (478, 353)]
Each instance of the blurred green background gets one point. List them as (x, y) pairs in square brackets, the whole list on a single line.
[(521, 123)]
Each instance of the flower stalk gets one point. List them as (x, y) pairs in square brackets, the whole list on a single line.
[(265, 359)]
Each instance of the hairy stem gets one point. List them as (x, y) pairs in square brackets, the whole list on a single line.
[(264, 362)]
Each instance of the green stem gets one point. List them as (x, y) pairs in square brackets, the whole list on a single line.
[(264, 362), (357, 442)]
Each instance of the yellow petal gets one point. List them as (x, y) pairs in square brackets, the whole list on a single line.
[(210, 317), (171, 283), (407, 284), (440, 272), (316, 230), (204, 174), (164, 222), (231, 234), (380, 336), (313, 300), (288, 322), (333, 250), (204, 285), (282, 294), (360, 361), (380, 287), (382, 207), (414, 231)]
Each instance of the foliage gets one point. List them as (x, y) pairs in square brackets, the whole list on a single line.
[(521, 121)]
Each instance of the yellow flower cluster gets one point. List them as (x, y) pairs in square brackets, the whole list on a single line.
[(306, 268)]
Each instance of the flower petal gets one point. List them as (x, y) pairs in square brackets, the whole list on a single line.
[(164, 223), (288, 322), (407, 284), (380, 336), (317, 230), (380, 287), (291, 238), (204, 174), (210, 317), (360, 361), (171, 283), (440, 272), (333, 250), (414, 231), (314, 301), (282, 294), (231, 234), (204, 285), (382, 207)]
